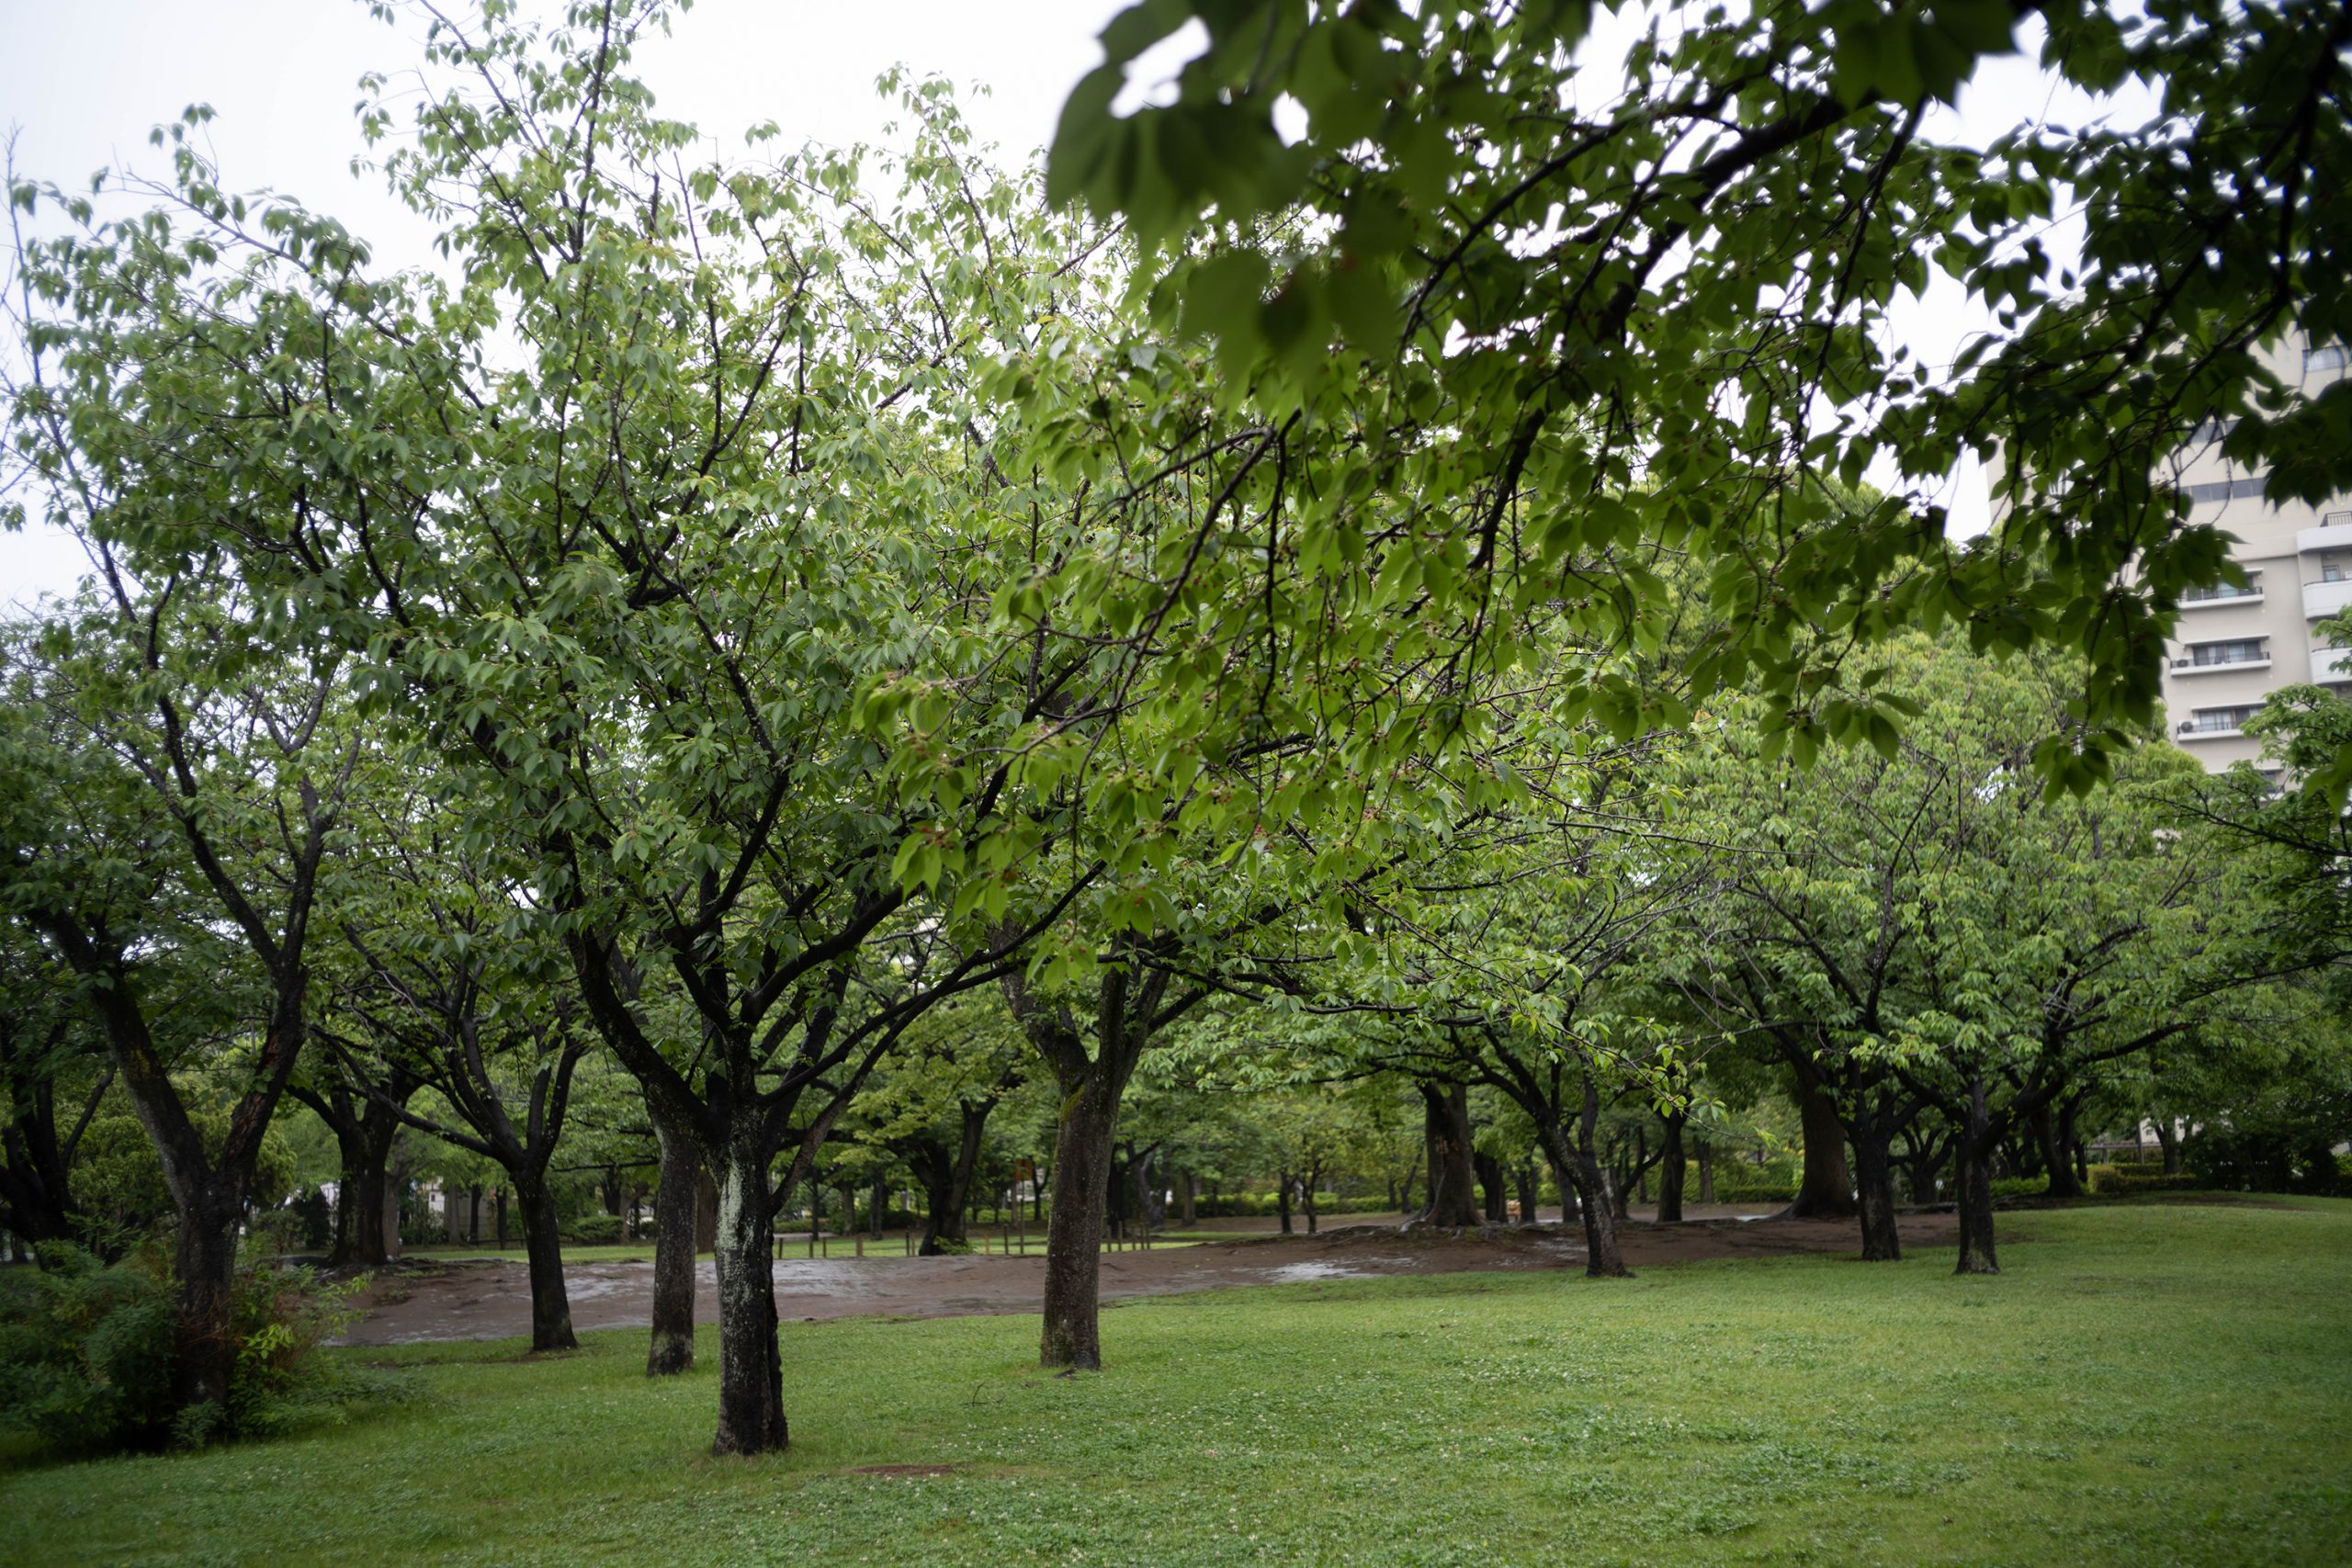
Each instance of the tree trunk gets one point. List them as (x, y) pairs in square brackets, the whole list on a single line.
[(362, 1197), (1308, 1185), (207, 1263), (1670, 1174), (1528, 1193), (1875, 1180), (2169, 1140), (1972, 1187), (1578, 1170), (1187, 1198), (877, 1206), (1071, 1335), (706, 1210), (1282, 1201), (1827, 1190), (1453, 1198), (1706, 1161), (751, 1367), (1150, 1206), (2050, 1142), (543, 1247), (1491, 1183), (674, 1193)]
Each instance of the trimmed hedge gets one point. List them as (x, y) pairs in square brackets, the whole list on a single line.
[(2109, 1182), (593, 1230)]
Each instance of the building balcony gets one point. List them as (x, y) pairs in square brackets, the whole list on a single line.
[(2213, 597), (2330, 666), (2322, 599), (2217, 666), (2187, 731), (2334, 532)]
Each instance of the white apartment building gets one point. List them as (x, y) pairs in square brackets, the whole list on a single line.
[(2235, 646)]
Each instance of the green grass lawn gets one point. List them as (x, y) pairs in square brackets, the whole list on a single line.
[(2148, 1385)]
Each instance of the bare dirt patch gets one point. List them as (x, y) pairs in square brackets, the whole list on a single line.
[(489, 1299)]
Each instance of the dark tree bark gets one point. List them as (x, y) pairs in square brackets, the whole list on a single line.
[(674, 1211), (946, 1175), (360, 1095), (2169, 1140), (362, 1155), (543, 1250), (1490, 1182), (1186, 1199), (442, 1016), (1071, 1335), (1974, 1146), (1453, 1198), (1282, 1201), (2050, 1142), (1131, 1005), (37, 1143), (877, 1206), (750, 1364), (1828, 1189), (1576, 1169), (209, 1191), (1670, 1173), (1706, 1162), (1874, 1141), (1603, 1260), (1152, 1207), (1927, 1153), (1529, 1193)]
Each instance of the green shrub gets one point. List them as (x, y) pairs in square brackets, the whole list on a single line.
[(2121, 1183), (88, 1350), (593, 1230)]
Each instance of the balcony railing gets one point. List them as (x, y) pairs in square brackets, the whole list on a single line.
[(2322, 599), (2215, 666), (2222, 593), (2330, 666), (2334, 532)]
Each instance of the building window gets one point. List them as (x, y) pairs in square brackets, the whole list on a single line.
[(2218, 721), (2225, 490), (2334, 569), (2327, 356), (2240, 650), (2206, 595)]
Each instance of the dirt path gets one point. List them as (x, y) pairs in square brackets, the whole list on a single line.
[(489, 1299)]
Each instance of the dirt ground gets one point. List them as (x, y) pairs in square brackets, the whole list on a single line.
[(433, 1299)]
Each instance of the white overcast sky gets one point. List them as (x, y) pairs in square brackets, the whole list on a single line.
[(81, 81)]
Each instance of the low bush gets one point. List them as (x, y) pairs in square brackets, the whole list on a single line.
[(88, 1350), (1730, 1192), (2109, 1182), (593, 1230)]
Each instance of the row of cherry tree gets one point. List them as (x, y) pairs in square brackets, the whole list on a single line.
[(723, 612)]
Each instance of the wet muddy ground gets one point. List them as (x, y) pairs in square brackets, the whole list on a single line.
[(434, 1299)]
